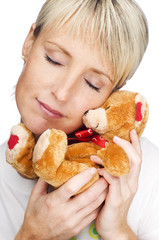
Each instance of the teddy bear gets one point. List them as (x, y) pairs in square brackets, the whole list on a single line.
[(56, 161)]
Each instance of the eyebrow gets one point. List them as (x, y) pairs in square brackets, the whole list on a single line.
[(61, 48), (99, 72), (102, 73)]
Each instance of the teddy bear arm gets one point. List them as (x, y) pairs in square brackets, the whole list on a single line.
[(56, 176), (69, 169), (81, 150), (23, 164), (49, 160), (115, 159), (86, 161)]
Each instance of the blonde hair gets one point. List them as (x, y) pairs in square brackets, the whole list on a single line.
[(119, 27)]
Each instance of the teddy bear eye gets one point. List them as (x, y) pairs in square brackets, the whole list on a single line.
[(107, 107)]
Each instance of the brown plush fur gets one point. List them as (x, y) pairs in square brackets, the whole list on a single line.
[(56, 162)]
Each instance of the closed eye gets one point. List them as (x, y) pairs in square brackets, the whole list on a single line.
[(52, 61), (92, 86)]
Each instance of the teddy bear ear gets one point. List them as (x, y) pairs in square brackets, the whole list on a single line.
[(140, 102)]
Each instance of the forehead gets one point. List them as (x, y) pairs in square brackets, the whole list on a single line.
[(88, 33), (79, 49), (76, 40)]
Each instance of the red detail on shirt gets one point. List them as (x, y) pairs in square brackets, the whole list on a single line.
[(13, 140), (138, 112), (88, 135)]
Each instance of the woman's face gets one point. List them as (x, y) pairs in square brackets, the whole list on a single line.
[(62, 78)]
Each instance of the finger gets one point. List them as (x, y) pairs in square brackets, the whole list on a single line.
[(107, 176), (124, 144), (40, 188), (97, 160), (134, 160), (90, 195), (114, 192), (73, 185), (135, 141), (125, 188), (84, 222), (93, 205), (119, 183)]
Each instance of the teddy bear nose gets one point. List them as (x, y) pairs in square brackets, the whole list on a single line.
[(86, 112)]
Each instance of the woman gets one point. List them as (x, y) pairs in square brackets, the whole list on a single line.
[(75, 55)]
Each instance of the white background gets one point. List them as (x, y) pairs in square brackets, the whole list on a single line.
[(16, 18)]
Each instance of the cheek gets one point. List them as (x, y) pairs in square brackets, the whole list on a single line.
[(29, 80), (92, 101), (97, 99), (19, 91), (24, 89), (24, 80)]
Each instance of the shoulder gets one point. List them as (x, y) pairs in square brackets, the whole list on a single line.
[(148, 147), (143, 214), (2, 146), (2, 152), (150, 159)]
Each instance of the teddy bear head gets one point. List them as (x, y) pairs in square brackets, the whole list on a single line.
[(122, 112)]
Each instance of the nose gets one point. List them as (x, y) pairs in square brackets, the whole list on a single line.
[(65, 89)]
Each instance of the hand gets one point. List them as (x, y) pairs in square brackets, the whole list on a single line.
[(58, 215), (111, 222)]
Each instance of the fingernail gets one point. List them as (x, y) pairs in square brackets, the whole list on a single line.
[(93, 171), (116, 138), (93, 157), (133, 131)]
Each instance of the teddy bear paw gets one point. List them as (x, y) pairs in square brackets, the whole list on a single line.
[(18, 141), (49, 153), (41, 146)]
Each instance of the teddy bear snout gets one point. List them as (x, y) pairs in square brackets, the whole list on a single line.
[(96, 119), (86, 112)]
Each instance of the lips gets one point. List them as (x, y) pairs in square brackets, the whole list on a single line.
[(49, 111)]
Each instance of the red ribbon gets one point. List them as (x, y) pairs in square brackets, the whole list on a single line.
[(88, 135)]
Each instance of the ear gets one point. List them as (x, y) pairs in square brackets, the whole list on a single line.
[(28, 43), (140, 102)]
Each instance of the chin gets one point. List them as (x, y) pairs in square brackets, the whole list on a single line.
[(38, 126)]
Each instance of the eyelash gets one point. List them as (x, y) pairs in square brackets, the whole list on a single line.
[(52, 61), (92, 86), (58, 64)]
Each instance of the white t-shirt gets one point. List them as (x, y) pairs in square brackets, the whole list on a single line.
[(143, 216)]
